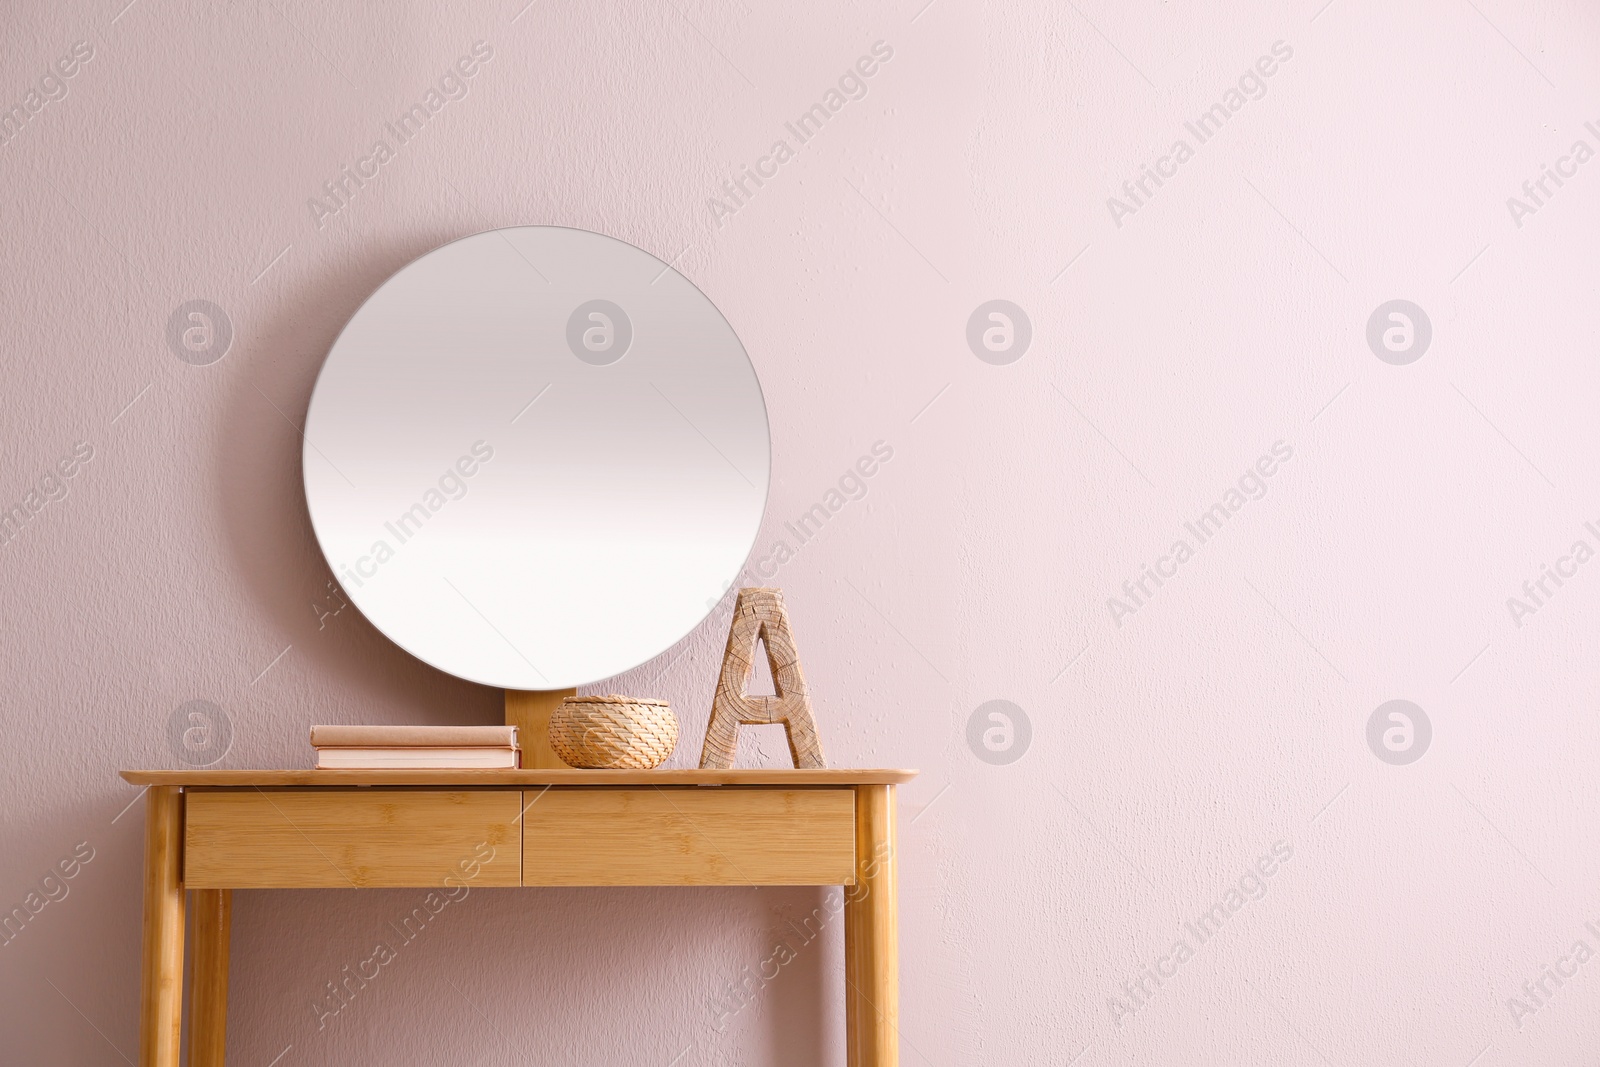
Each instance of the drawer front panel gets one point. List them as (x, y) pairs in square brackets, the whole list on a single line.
[(679, 836), (366, 838)]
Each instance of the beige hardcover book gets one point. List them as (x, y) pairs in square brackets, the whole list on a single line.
[(473, 757), (414, 736)]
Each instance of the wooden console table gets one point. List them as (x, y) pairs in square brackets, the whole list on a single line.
[(216, 831)]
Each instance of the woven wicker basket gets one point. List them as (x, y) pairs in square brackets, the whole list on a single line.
[(613, 732)]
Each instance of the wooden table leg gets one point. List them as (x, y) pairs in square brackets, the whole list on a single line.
[(161, 994), (208, 1003), (871, 940)]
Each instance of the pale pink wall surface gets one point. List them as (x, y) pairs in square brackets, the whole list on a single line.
[(1172, 347)]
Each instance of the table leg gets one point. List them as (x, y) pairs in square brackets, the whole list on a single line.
[(871, 945), (161, 994), (208, 1003)]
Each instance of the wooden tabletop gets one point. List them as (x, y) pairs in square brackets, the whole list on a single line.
[(265, 779)]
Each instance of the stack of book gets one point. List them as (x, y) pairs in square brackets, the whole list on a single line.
[(415, 747)]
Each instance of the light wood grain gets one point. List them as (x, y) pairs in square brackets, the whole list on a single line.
[(249, 839), (208, 987), (871, 940), (161, 964), (689, 837), (529, 711), (759, 616), (277, 779)]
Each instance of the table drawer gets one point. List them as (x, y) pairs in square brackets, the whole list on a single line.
[(689, 836), (359, 838)]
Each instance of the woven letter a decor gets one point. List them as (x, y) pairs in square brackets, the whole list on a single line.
[(758, 615)]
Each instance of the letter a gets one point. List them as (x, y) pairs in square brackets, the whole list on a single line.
[(1518, 209), (758, 615), (719, 211), (1518, 1010)]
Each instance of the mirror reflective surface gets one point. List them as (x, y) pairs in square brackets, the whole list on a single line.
[(536, 457)]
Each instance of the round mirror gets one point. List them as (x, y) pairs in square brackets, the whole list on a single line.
[(536, 457)]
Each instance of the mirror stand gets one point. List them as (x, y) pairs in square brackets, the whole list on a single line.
[(529, 711)]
